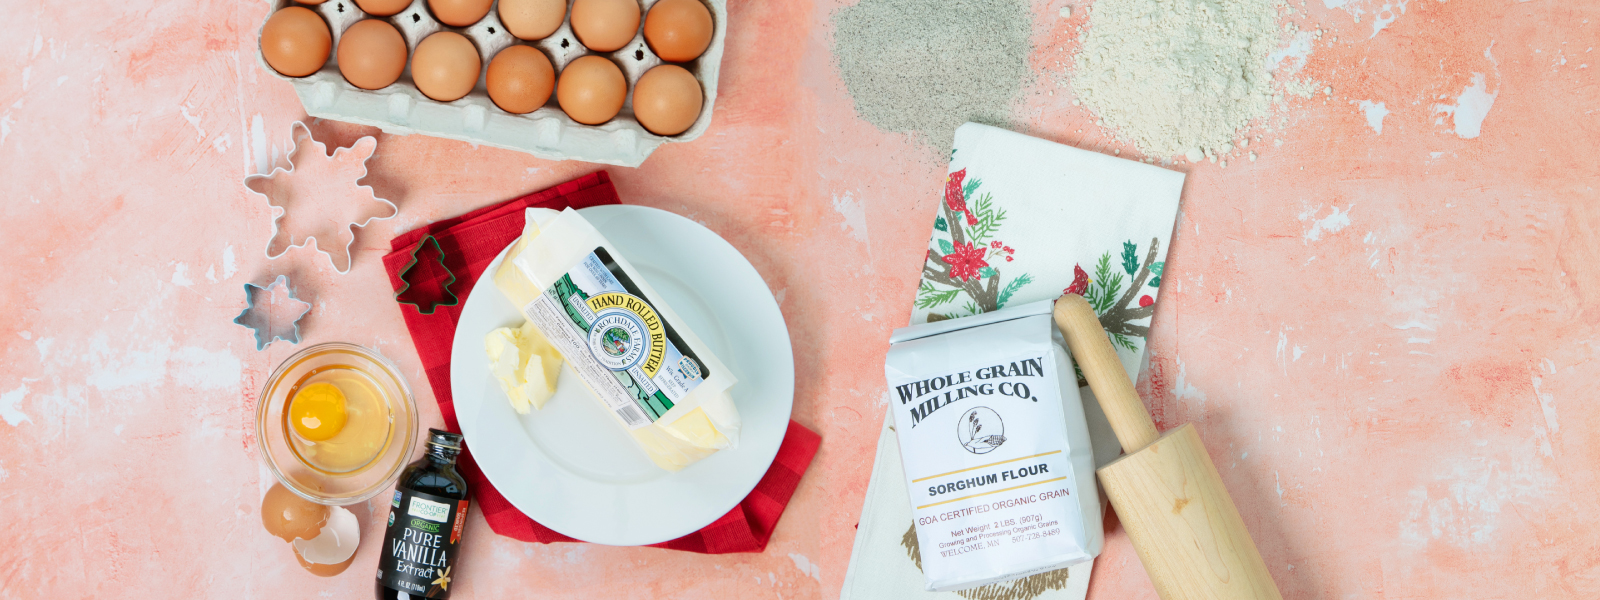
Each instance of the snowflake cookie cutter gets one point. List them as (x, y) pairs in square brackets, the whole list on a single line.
[(280, 190), (432, 304), (259, 312)]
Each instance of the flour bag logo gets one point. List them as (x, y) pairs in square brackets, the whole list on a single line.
[(980, 431)]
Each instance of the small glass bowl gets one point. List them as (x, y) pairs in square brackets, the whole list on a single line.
[(278, 449)]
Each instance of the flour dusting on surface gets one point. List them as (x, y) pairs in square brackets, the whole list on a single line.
[(1187, 77), (927, 66)]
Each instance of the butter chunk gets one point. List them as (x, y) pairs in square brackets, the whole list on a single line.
[(525, 364)]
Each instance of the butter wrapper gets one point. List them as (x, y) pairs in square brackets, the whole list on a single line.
[(655, 377), (995, 447)]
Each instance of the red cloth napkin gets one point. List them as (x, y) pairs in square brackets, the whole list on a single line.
[(470, 242)]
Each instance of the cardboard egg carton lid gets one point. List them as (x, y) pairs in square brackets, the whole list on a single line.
[(547, 132)]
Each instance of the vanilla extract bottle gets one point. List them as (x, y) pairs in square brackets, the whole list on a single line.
[(426, 515)]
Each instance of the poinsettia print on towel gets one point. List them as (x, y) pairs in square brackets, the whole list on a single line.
[(962, 267), (962, 272)]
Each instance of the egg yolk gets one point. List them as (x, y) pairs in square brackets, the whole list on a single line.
[(317, 412)]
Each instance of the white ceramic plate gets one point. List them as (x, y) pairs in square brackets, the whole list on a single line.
[(569, 466)]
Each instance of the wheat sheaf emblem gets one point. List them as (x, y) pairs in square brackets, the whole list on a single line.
[(974, 439)]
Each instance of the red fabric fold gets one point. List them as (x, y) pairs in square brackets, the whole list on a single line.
[(470, 242)]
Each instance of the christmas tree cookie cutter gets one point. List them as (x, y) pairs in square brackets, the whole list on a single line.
[(261, 304), (282, 189), (418, 298)]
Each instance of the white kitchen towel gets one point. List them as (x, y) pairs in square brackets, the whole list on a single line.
[(1020, 220)]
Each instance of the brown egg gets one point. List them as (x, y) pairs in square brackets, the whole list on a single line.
[(382, 8), (310, 2), (288, 516), (372, 54), (445, 66), (520, 79), (532, 19), (296, 42), (459, 13), (605, 25), (667, 100), (324, 570), (678, 30), (591, 90)]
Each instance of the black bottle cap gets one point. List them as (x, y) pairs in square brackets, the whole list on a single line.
[(444, 439)]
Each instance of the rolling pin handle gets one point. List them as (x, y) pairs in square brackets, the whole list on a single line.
[(1092, 352)]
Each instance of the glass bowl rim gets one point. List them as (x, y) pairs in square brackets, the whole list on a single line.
[(263, 400)]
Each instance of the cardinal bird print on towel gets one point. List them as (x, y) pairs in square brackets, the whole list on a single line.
[(965, 256)]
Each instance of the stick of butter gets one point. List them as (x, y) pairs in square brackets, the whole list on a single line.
[(654, 376)]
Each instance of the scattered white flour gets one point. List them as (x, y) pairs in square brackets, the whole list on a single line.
[(1303, 88), (1186, 77)]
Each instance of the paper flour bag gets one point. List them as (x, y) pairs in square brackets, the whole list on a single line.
[(994, 446)]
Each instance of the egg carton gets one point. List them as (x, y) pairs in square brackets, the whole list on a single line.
[(546, 132)]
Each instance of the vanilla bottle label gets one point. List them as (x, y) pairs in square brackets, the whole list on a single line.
[(420, 543)]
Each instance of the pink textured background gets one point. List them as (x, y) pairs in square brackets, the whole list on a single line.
[(1401, 403)]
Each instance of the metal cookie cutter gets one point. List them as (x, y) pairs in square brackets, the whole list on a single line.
[(279, 187), (426, 305), (258, 314)]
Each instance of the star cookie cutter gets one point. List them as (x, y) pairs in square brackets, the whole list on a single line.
[(282, 191), (259, 312), (427, 305)]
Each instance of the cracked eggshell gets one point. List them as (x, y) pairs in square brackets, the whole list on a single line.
[(325, 570), (288, 516), (332, 550)]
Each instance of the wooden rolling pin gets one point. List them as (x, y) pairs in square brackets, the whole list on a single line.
[(1165, 489)]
